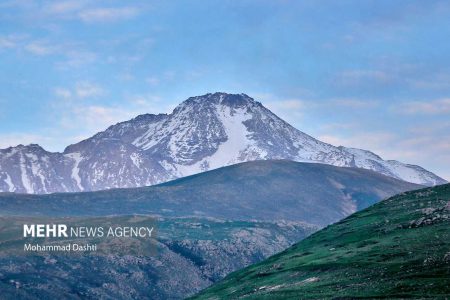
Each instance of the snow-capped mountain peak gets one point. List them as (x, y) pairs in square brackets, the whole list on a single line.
[(202, 133)]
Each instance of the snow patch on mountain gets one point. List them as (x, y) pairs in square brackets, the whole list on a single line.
[(236, 133), (76, 156), (24, 175), (11, 187)]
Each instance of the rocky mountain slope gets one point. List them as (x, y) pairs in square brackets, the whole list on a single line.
[(317, 194), (189, 255), (202, 133), (396, 249)]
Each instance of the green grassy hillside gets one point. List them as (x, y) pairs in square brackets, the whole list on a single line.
[(398, 248)]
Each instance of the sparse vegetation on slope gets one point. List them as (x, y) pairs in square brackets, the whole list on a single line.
[(398, 248)]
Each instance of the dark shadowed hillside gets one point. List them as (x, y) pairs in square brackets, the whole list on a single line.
[(263, 190)]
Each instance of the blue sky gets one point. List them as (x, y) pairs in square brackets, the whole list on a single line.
[(368, 74)]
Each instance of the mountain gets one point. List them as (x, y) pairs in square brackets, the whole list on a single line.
[(317, 194), (207, 225), (189, 254), (396, 249), (202, 133)]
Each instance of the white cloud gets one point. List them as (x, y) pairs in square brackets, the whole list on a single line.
[(144, 100), (374, 141), (354, 103), (290, 110), (64, 7), (273, 102), (330, 127), (126, 76), (436, 81), (70, 55), (107, 14), (81, 90), (290, 104), (73, 121), (152, 80), (85, 11), (76, 58), (87, 89), (432, 107), (356, 77), (358, 74), (40, 48), (7, 42), (95, 118), (13, 41), (62, 93), (169, 75)]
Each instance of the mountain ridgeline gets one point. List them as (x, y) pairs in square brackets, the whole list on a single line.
[(396, 249), (202, 133), (316, 194)]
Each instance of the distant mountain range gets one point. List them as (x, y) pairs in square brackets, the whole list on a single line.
[(202, 133), (208, 225), (396, 249)]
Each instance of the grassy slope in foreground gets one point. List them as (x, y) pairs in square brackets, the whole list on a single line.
[(397, 248)]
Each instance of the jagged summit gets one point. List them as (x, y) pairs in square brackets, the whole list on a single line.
[(219, 98), (202, 133)]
